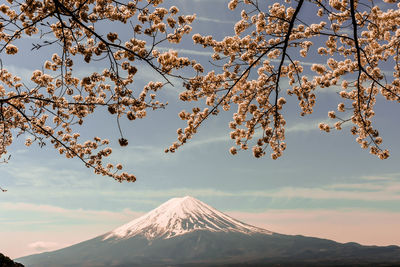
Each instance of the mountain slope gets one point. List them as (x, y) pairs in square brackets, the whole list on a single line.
[(186, 231)]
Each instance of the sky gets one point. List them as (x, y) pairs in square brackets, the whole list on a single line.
[(324, 185)]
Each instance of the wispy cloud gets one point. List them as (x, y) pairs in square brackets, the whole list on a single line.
[(389, 191), (38, 37), (140, 155), (176, 192), (200, 18), (199, 52), (83, 214), (306, 125), (358, 186), (302, 126), (22, 72), (34, 175), (386, 193), (384, 177), (41, 246), (209, 141)]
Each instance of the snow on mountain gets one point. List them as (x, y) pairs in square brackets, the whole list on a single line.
[(179, 216)]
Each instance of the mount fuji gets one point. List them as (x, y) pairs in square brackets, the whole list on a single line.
[(180, 216), (187, 232)]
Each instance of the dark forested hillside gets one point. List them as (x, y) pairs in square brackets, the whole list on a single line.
[(7, 262)]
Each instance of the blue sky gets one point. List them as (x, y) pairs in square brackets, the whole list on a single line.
[(325, 185)]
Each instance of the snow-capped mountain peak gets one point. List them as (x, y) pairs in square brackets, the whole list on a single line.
[(179, 216)]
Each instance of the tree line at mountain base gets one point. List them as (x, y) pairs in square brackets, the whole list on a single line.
[(7, 262)]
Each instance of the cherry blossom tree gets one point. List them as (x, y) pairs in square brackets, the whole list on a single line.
[(361, 41), (59, 100)]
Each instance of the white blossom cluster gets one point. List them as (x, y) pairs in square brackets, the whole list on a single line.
[(360, 39), (59, 101)]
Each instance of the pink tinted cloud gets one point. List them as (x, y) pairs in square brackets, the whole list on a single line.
[(23, 243), (40, 246), (364, 227)]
